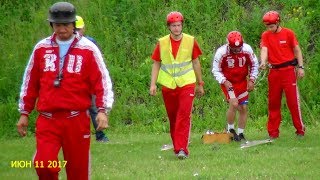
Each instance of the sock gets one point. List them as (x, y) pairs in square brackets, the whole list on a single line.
[(230, 126), (240, 130)]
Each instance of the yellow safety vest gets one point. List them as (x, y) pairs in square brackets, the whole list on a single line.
[(176, 72)]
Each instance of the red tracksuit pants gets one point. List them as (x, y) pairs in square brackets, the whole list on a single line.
[(283, 79), (72, 134), (178, 103)]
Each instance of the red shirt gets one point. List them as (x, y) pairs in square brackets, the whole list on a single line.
[(175, 47), (280, 45)]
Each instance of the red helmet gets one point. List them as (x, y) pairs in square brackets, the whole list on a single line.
[(235, 39), (174, 16), (271, 17)]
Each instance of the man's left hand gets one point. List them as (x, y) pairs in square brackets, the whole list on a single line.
[(300, 73), (199, 91), (250, 85), (102, 121)]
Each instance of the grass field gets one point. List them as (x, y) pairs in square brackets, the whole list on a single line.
[(138, 156)]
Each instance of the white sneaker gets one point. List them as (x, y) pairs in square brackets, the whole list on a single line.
[(166, 147), (182, 155)]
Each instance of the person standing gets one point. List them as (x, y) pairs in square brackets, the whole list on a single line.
[(62, 73), (100, 135), (177, 68), (235, 67), (80, 27), (280, 48)]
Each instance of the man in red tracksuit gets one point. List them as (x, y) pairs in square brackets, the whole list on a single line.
[(279, 46), (64, 70), (177, 68), (100, 135), (235, 67)]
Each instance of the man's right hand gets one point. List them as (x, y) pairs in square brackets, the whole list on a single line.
[(22, 125), (227, 84), (262, 66)]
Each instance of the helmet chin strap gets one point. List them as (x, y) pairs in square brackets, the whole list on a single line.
[(174, 34), (277, 28)]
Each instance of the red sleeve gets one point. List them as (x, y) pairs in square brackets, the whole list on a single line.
[(196, 50), (101, 81), (30, 85), (263, 42), (156, 53), (293, 39)]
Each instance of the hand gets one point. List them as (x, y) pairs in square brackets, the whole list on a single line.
[(227, 84), (262, 66), (250, 85), (22, 125), (233, 102), (102, 121), (153, 90), (300, 73), (199, 91)]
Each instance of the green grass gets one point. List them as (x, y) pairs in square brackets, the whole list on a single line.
[(127, 32), (138, 156)]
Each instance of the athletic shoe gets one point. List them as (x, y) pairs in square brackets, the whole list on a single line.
[(300, 136), (103, 140), (182, 155), (241, 137), (273, 138), (235, 136), (166, 147)]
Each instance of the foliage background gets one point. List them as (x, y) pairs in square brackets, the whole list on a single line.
[(127, 31)]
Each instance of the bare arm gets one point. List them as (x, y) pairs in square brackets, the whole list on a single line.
[(197, 70), (154, 76), (298, 55), (263, 57)]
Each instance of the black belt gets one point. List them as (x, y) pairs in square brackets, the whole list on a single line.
[(293, 62)]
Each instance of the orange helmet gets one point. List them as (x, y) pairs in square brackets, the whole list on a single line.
[(235, 39), (174, 16), (271, 17)]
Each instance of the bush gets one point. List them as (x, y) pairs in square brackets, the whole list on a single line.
[(127, 32)]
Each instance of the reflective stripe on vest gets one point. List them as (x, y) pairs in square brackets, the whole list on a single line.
[(174, 66), (176, 72)]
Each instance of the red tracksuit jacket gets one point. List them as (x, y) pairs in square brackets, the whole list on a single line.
[(234, 67), (84, 74)]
